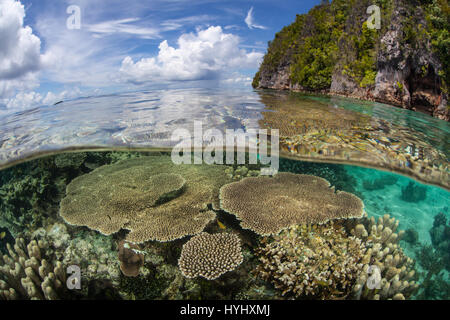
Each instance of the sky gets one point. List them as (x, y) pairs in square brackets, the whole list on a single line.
[(53, 50)]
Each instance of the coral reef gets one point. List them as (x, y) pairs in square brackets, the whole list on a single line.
[(30, 192), (29, 195), (333, 173), (130, 195), (396, 270), (94, 253), (241, 172), (435, 262), (266, 205), (435, 283), (440, 238), (26, 274), (333, 261), (131, 259), (413, 192), (70, 160), (380, 183), (210, 255), (411, 236), (320, 262)]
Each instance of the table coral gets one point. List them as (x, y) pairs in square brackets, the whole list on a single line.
[(150, 196), (267, 205)]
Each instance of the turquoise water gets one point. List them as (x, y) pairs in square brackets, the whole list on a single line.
[(418, 215)]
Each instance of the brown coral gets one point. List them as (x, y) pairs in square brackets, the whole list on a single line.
[(210, 255), (150, 196), (326, 262), (320, 262), (26, 274), (396, 270), (131, 259), (268, 205)]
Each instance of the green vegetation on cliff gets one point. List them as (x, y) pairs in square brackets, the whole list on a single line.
[(438, 19), (335, 39)]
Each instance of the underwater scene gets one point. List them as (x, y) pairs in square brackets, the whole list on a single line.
[(93, 205)]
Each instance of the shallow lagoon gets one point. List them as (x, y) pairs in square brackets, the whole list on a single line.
[(317, 129)]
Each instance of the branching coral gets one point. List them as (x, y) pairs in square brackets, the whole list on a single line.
[(26, 274), (268, 205), (150, 196), (326, 262), (382, 250), (319, 262), (210, 255)]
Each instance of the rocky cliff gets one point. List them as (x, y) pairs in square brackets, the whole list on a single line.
[(335, 49)]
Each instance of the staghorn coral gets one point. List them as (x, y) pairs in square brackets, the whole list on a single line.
[(319, 261), (141, 195), (210, 255), (131, 259), (26, 274), (268, 205), (383, 251)]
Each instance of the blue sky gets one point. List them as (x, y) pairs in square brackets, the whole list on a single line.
[(132, 44)]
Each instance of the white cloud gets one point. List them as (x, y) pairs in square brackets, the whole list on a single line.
[(249, 20), (175, 24), (20, 57), (9, 88), (76, 57), (30, 99), (24, 100), (124, 26), (208, 54), (19, 47)]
